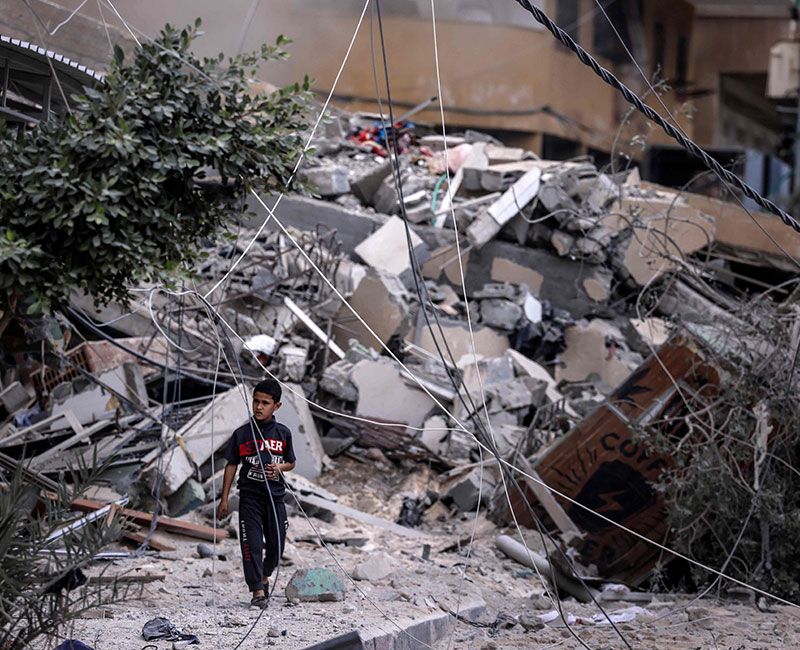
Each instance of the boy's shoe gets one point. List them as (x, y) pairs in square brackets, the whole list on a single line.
[(259, 601)]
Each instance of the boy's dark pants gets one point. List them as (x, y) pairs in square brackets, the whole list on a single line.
[(261, 541)]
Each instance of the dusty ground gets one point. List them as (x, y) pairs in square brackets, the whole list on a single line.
[(220, 616)]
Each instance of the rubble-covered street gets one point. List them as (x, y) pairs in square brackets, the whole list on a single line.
[(524, 400)]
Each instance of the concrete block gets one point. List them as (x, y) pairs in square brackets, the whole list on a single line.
[(189, 496), (366, 181), (435, 435), (295, 414), (14, 397), (562, 242), (522, 392), (474, 165), (500, 313), (374, 568), (229, 411), (329, 180), (387, 250), (315, 585), (336, 380), (379, 379), (292, 362), (488, 343), (381, 300), (465, 490)]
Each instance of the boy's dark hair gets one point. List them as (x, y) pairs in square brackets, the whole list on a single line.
[(269, 387)]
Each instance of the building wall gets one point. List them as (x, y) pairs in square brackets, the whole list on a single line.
[(728, 45)]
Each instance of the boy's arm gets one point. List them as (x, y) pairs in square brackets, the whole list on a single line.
[(274, 470), (227, 481)]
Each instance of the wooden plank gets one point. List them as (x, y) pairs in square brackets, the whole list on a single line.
[(168, 524), (127, 578), (138, 538)]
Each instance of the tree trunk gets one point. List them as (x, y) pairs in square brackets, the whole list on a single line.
[(9, 311)]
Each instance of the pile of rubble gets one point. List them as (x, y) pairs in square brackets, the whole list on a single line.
[(572, 279)]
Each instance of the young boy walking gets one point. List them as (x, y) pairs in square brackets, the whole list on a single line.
[(262, 520)]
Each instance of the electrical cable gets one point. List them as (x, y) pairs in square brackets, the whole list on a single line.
[(184, 373), (472, 335), (755, 498), (725, 183), (302, 153), (216, 318), (654, 116), (416, 271), (489, 439), (503, 462)]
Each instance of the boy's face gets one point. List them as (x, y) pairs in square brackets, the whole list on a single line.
[(264, 407)]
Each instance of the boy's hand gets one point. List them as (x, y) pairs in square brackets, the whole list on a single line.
[(222, 509), (272, 471)]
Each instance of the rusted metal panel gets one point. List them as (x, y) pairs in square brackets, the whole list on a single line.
[(605, 464)]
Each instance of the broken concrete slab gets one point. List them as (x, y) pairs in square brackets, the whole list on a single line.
[(186, 498), (513, 200), (527, 366), (336, 380), (306, 213), (435, 435), (488, 343), (375, 568), (292, 364), (380, 299), (387, 250), (228, 411), (91, 402), (295, 414), (500, 313), (598, 285), (366, 181), (588, 354), (315, 585), (328, 180), (474, 165), (379, 378), (465, 490)]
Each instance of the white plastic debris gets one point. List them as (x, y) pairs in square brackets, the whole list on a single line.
[(261, 343)]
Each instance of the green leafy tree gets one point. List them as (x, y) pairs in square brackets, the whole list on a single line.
[(129, 187)]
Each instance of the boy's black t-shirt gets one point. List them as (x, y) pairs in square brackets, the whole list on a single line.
[(274, 443)]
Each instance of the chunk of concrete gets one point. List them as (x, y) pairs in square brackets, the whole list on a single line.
[(336, 380), (435, 435), (186, 498), (295, 414), (465, 491), (474, 165), (500, 313), (518, 393), (488, 343), (229, 410), (14, 397), (293, 361), (328, 180), (598, 285), (315, 585), (587, 354), (375, 568), (387, 250), (382, 394), (366, 181), (381, 300), (562, 242)]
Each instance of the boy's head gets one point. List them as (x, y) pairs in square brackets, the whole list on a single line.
[(266, 399)]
